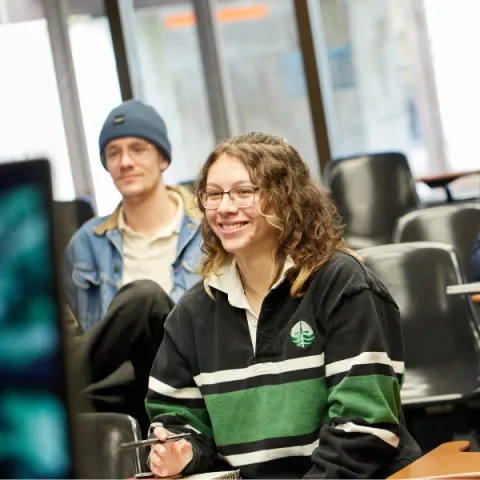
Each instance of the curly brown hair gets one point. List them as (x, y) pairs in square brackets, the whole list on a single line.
[(309, 227)]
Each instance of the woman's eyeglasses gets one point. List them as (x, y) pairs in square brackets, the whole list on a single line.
[(241, 197)]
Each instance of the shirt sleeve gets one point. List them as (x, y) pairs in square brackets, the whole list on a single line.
[(175, 400), (364, 369)]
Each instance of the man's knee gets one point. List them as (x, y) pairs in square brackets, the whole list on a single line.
[(146, 287), (144, 292)]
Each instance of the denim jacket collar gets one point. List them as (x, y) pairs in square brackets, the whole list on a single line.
[(192, 213)]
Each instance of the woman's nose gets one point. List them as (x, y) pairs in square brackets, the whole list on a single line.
[(226, 205)]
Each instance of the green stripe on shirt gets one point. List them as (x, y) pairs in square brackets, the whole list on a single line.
[(195, 417), (374, 398), (269, 411)]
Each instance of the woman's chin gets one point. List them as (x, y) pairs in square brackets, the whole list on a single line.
[(235, 246)]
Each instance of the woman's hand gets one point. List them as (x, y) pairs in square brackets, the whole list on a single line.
[(170, 458), (476, 298)]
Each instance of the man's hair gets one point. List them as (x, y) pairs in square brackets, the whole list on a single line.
[(308, 225)]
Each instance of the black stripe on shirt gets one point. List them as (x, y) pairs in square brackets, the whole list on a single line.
[(287, 467), (184, 402), (363, 370), (268, 444)]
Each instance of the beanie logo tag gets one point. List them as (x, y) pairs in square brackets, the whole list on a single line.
[(119, 119)]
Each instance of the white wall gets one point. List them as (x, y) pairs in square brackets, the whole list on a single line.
[(455, 37), (31, 122)]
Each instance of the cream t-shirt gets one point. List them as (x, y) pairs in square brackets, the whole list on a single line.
[(151, 258)]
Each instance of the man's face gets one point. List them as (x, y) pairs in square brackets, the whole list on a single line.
[(136, 166)]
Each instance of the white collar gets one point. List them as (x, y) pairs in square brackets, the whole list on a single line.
[(228, 281)]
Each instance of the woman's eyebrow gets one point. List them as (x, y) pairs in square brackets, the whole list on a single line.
[(235, 184)]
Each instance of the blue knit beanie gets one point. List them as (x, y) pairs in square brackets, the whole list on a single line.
[(135, 119)]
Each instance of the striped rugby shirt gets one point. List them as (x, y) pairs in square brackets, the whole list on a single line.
[(318, 396)]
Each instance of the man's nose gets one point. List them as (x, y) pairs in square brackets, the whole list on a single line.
[(126, 159)]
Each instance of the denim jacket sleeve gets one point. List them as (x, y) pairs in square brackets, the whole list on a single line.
[(67, 274), (81, 278)]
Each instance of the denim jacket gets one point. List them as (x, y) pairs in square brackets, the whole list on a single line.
[(93, 262)]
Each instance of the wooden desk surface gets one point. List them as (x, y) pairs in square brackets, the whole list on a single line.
[(445, 178), (449, 460)]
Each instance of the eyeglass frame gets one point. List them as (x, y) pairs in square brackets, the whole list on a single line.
[(146, 146), (204, 190)]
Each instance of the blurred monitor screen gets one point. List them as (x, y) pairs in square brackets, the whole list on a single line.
[(34, 420)]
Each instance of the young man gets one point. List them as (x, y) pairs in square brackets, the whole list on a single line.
[(154, 232)]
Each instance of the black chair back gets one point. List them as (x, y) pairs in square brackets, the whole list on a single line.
[(371, 192), (69, 216), (97, 438), (457, 224), (439, 330)]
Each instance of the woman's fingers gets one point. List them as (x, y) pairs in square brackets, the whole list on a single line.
[(159, 450), (184, 448), (161, 433), (169, 459), (157, 465)]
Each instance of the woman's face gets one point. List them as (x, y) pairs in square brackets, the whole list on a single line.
[(242, 231)]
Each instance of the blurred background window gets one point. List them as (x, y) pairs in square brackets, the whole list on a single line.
[(31, 122), (259, 46), (98, 88)]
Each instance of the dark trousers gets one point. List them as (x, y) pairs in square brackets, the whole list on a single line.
[(113, 359)]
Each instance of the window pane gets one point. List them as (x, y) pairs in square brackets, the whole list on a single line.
[(30, 115), (368, 82), (259, 46), (173, 82), (99, 91)]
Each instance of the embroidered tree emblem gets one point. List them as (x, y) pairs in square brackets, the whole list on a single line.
[(302, 334)]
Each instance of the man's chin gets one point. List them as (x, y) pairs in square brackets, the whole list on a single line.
[(131, 191)]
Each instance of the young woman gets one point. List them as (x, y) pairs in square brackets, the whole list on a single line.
[(288, 360)]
